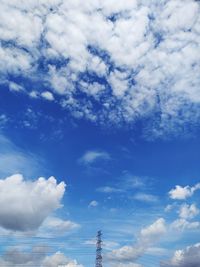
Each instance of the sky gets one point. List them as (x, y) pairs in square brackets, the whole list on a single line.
[(99, 130)]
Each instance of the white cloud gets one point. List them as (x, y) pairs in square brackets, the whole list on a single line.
[(182, 224), (47, 95), (153, 232), (147, 54), (128, 182), (125, 254), (169, 207), (36, 257), (126, 265), (24, 205), (54, 227), (93, 203), (15, 87), (186, 214), (147, 237), (188, 211), (59, 259), (145, 197), (34, 94), (157, 251), (182, 193), (15, 257), (189, 257), (94, 155), (15, 61), (109, 189)]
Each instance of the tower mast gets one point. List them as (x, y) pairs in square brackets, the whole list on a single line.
[(99, 250)]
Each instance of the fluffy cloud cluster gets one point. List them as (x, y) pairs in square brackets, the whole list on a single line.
[(37, 257), (186, 214), (24, 205), (107, 61), (127, 255), (189, 257), (188, 211), (182, 193)]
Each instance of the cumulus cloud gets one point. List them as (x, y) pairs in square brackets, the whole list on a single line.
[(24, 205), (184, 258), (182, 193), (130, 60), (147, 237), (94, 155)]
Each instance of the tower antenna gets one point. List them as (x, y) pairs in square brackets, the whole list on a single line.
[(99, 250)]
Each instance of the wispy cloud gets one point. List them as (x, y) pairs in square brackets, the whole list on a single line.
[(125, 183), (143, 197), (109, 189), (132, 187), (15, 160), (54, 227), (94, 155)]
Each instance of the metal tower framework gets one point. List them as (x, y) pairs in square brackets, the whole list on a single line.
[(99, 250)]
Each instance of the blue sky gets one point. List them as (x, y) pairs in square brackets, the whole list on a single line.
[(99, 129)]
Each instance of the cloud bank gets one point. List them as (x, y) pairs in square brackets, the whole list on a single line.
[(38, 256), (105, 61)]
